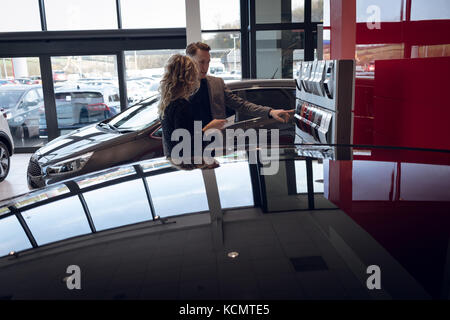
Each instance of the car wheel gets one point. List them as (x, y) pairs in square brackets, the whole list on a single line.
[(4, 161)]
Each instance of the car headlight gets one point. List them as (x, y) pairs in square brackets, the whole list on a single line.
[(8, 115), (69, 165)]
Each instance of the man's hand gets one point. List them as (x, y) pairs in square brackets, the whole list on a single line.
[(215, 124), (282, 115)]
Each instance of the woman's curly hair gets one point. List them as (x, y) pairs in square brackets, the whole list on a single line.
[(180, 80)]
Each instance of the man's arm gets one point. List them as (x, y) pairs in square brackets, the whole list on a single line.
[(237, 103)]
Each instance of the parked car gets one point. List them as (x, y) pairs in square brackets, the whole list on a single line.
[(7, 82), (81, 105), (59, 75), (24, 81), (6, 147), (136, 134), (36, 79), (21, 104)]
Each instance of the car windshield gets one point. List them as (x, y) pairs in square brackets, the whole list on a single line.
[(138, 117), (8, 99)]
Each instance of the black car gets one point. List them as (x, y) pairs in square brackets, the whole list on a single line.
[(135, 134)]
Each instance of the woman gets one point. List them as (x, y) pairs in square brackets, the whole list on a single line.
[(180, 81)]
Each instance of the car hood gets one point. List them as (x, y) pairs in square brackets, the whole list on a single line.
[(79, 142)]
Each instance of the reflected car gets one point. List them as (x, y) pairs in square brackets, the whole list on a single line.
[(373, 209), (136, 134), (78, 106), (22, 105)]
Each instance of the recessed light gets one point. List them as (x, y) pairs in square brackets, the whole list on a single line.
[(233, 254)]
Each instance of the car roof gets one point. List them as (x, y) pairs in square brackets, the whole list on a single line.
[(20, 87), (261, 83), (84, 88)]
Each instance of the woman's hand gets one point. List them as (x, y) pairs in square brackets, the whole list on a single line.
[(215, 124)]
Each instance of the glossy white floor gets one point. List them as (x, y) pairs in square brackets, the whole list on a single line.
[(16, 182)]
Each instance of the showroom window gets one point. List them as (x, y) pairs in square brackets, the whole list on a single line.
[(21, 100), (18, 19), (268, 11), (367, 53), (282, 33), (86, 91), (279, 52), (422, 10), (80, 14), (389, 10), (221, 30), (145, 69), (143, 14)]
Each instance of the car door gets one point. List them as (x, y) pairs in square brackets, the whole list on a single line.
[(29, 110)]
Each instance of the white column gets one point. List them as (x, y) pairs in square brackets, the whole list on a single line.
[(193, 25), (20, 67)]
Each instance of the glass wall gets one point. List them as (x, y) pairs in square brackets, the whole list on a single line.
[(278, 53), (86, 91), (142, 14), (14, 18), (145, 69), (21, 99), (281, 11), (285, 35), (225, 54), (388, 10), (215, 15), (221, 31), (80, 14), (430, 10)]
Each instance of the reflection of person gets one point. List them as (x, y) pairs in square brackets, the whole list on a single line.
[(213, 95)]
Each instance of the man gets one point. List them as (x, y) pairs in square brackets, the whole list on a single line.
[(213, 96)]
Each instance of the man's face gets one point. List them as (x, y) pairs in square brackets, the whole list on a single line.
[(203, 59)]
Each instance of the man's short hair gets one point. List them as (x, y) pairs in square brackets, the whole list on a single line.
[(192, 48)]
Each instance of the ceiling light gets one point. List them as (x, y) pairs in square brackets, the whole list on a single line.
[(233, 254)]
